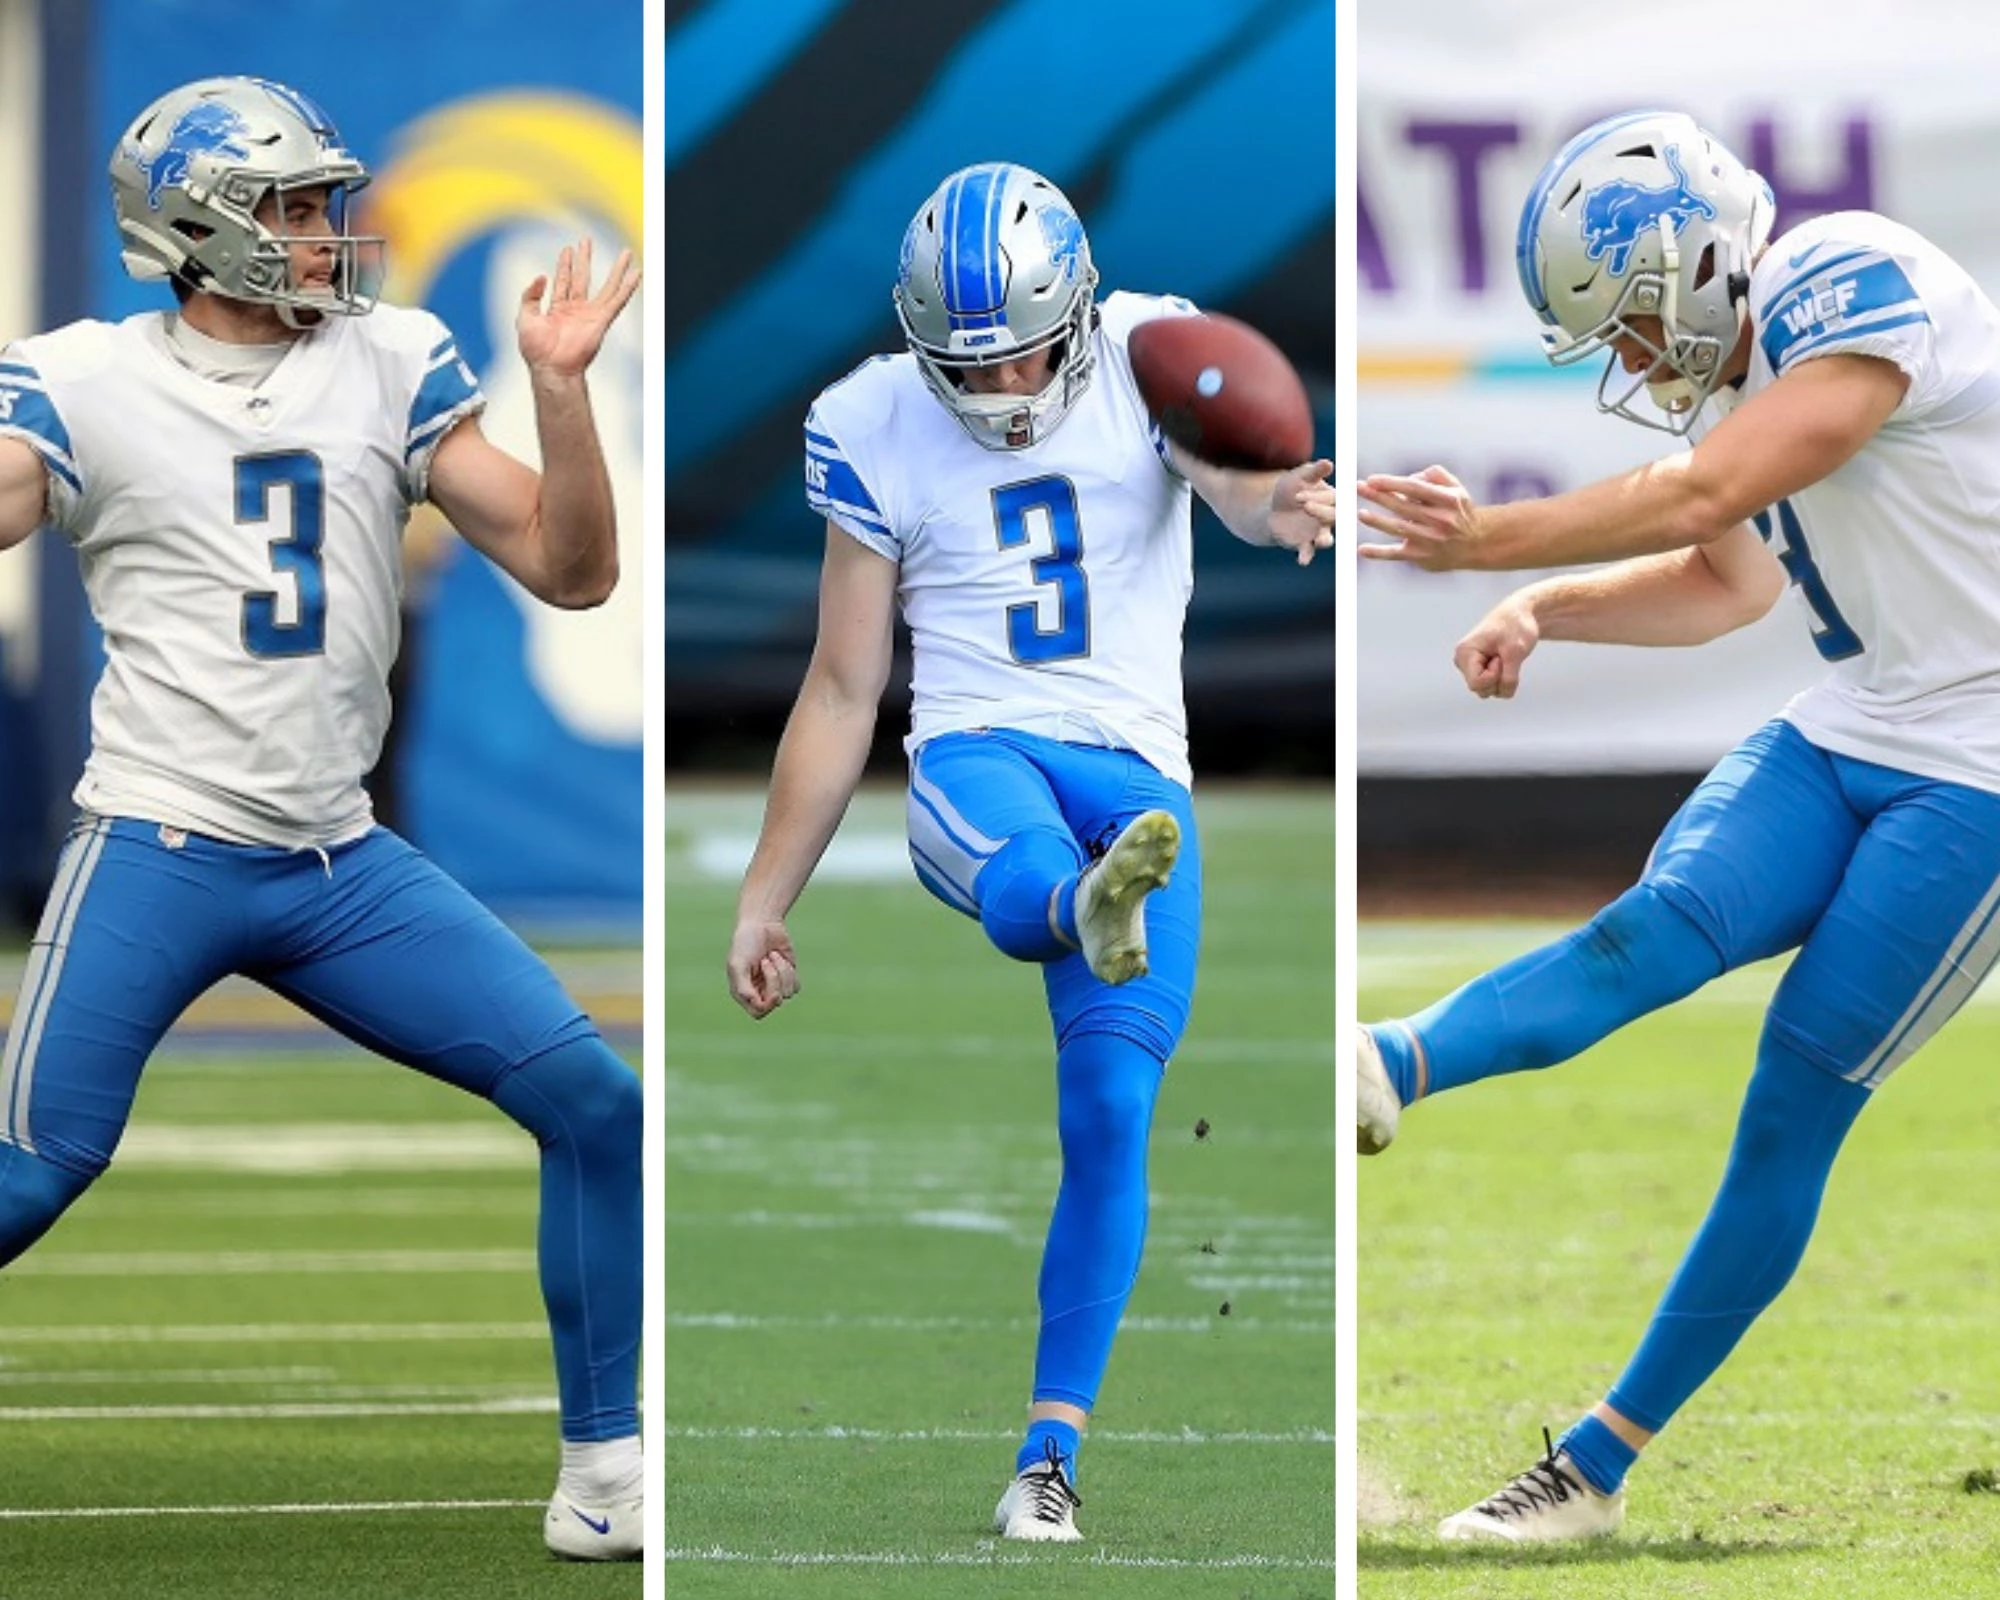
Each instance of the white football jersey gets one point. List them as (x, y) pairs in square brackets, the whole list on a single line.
[(1045, 589), (242, 552), (1895, 557)]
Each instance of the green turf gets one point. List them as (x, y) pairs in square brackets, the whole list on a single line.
[(1519, 1233), (857, 1190), (236, 1256)]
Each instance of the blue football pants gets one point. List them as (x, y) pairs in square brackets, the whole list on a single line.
[(375, 941), (1000, 824), (1887, 883)]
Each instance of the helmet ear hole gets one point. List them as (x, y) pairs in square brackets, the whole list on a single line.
[(1704, 268)]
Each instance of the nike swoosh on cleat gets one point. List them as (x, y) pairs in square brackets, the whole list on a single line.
[(590, 1522)]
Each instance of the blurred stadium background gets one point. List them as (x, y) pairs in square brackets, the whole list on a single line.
[(1461, 102), (857, 1189), (309, 1281)]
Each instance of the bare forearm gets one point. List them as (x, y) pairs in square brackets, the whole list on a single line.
[(819, 763), (1662, 506), (1241, 499), (576, 519), (1668, 600)]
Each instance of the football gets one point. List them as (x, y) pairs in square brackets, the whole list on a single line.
[(1222, 391)]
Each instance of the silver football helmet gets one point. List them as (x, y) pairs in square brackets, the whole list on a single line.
[(1644, 215), (191, 173), (995, 266)]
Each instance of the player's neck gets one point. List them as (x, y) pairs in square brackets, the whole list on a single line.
[(236, 321)]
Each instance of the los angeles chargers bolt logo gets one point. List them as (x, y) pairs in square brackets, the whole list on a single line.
[(208, 128), (1618, 214)]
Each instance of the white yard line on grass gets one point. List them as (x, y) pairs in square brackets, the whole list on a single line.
[(258, 1263), (224, 1333), (752, 1322), (837, 1434), (524, 1405), (993, 1557), (339, 1508)]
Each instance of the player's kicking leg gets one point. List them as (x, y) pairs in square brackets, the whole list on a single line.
[(1728, 883), (1907, 937), (996, 821), (401, 959)]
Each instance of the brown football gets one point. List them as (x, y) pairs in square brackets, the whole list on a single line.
[(1222, 391)]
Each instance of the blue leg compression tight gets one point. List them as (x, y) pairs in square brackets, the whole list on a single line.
[(1794, 1119), (1636, 955), (582, 1104), (1015, 891), (1107, 1088)]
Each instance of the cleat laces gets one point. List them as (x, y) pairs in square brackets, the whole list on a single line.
[(1543, 1485), (1050, 1497)]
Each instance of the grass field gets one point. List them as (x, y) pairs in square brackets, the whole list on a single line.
[(857, 1191), (291, 1346), (1517, 1236)]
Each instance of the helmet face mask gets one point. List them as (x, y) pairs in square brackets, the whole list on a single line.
[(1640, 236), (995, 268), (202, 184)]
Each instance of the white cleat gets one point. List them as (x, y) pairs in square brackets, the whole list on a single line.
[(1376, 1108), (1111, 895), (580, 1532), (1550, 1501), (1040, 1504)]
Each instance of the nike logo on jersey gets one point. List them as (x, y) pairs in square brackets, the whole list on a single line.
[(591, 1522)]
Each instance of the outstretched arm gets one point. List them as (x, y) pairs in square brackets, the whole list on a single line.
[(1683, 597), (24, 492), (819, 762), (554, 532), (1293, 509), (1803, 427)]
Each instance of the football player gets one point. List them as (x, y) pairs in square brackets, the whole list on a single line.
[(1003, 483), (235, 478), (1839, 387)]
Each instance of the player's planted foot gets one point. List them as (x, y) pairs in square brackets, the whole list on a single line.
[(613, 1531), (1040, 1504), (1376, 1107), (1111, 895), (1550, 1501)]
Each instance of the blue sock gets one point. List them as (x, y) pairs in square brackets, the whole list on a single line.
[(1795, 1116), (1398, 1048), (1634, 956), (1600, 1455), (583, 1106), (1106, 1087), (1035, 1446), (1014, 890)]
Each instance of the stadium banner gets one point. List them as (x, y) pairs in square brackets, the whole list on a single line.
[(1461, 102), (494, 138), (1191, 175)]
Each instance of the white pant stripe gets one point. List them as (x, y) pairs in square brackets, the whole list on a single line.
[(43, 976), (951, 847), (1966, 962)]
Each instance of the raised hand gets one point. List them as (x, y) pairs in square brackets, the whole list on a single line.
[(1302, 507), (563, 336)]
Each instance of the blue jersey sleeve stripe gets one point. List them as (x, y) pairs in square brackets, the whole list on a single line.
[(446, 390), (31, 413), (1833, 301), (57, 461), (843, 483), (442, 347), (1837, 336), (1821, 268)]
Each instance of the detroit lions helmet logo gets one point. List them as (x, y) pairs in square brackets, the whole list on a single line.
[(1064, 234), (207, 128), (1616, 215)]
